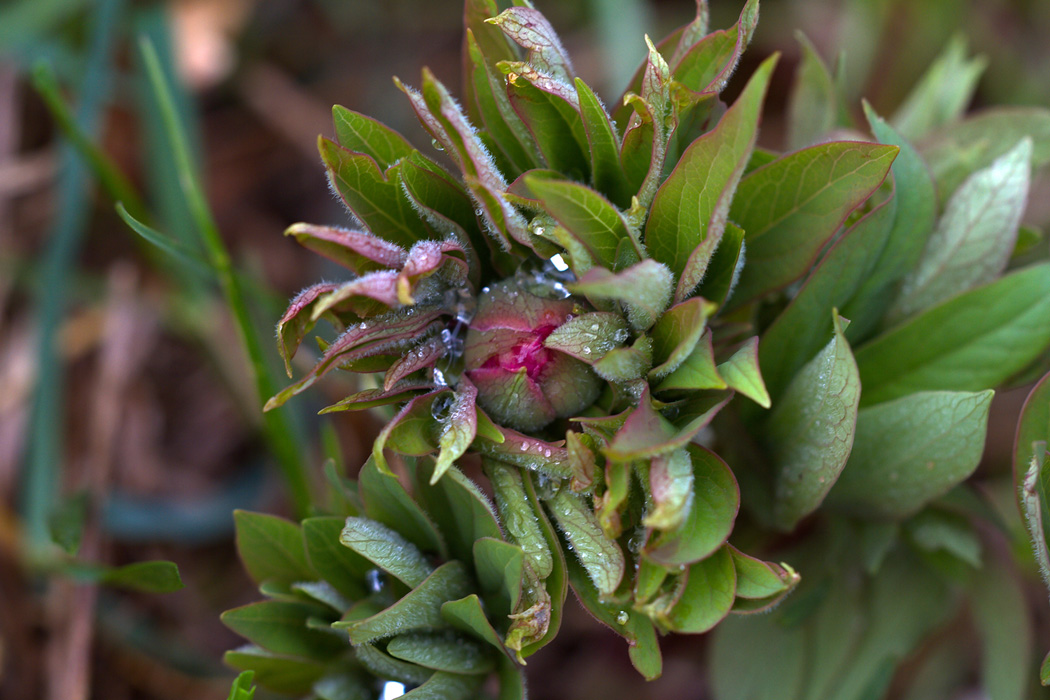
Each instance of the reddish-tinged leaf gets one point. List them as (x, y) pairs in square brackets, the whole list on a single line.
[(359, 251), (647, 434), (412, 431), (298, 320), (676, 334), (521, 450), (424, 355), (370, 398), (671, 488), (361, 134), (644, 288), (458, 429), (531, 30), (427, 258), (691, 33), (607, 174), (380, 286)]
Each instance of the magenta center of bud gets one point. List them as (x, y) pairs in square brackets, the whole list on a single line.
[(529, 355)]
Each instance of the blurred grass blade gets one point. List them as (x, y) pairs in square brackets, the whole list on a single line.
[(158, 239), (44, 455), (278, 427), (105, 170), (23, 23)]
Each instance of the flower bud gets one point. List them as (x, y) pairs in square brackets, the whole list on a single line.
[(521, 383)]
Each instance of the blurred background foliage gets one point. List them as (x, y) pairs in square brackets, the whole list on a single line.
[(130, 421)]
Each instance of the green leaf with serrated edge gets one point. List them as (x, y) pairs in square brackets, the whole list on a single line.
[(410, 432), (382, 665), (387, 501), (633, 626), (742, 374), (344, 570), (553, 119), (280, 627), (942, 94), (972, 342), (468, 615), (644, 288), (145, 576), (372, 194), (588, 337), (627, 363), (589, 217), (814, 105), (271, 548), (937, 531), (671, 490), (242, 687), (697, 372), (442, 652), (790, 208), (418, 610), (387, 549), (606, 169), (757, 579), (508, 133), (460, 509), (446, 686), (957, 150), (282, 674), (975, 236), (691, 207), (723, 272), (810, 432), (459, 429), (362, 134), (600, 556), (899, 249), (498, 566), (708, 596), (801, 329), (517, 515), (677, 333), (911, 450), (716, 500)]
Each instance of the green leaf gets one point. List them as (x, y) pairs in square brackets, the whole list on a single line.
[(646, 433), (169, 245), (1033, 427), (459, 429), (689, 212), (387, 549), (499, 568), (606, 169), (599, 555), (644, 288), (419, 610), (810, 432), (382, 665), (362, 134), (942, 533), (271, 548), (387, 501), (958, 150), (697, 372), (726, 264), (677, 333), (342, 685), (446, 686), (280, 627), (814, 104), (975, 236), (671, 489), (441, 652), (145, 576), (760, 585), (972, 342), (242, 687), (1005, 625), (790, 208), (742, 374), (716, 501), (738, 642), (552, 115), (911, 450), (588, 337), (282, 674), (942, 94), (373, 195), (468, 615), (344, 570), (461, 510), (517, 515), (591, 219), (1044, 671), (708, 596)]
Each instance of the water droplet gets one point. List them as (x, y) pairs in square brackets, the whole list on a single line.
[(437, 145), (441, 406), (594, 326), (439, 377), (523, 447), (622, 617), (558, 262), (375, 579), (546, 453), (586, 350)]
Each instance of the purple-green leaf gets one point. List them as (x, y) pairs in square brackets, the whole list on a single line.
[(790, 208), (531, 31), (692, 206), (607, 173), (671, 489), (599, 555), (810, 432), (458, 429), (361, 134), (644, 288), (358, 251), (676, 334), (551, 111), (742, 374)]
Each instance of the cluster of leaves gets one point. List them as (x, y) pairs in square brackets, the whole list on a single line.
[(865, 297)]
